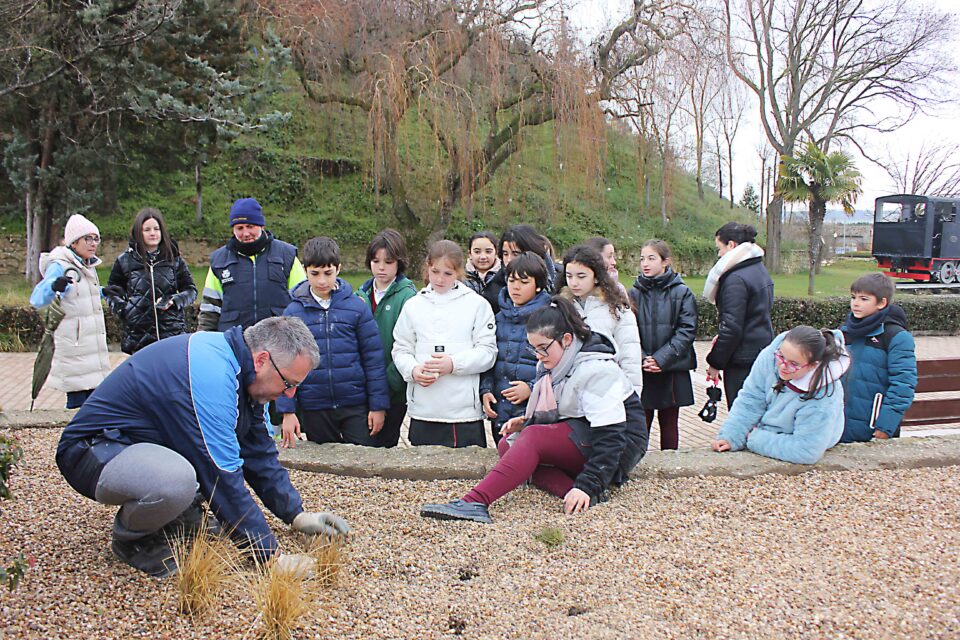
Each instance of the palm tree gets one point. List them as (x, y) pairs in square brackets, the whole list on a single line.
[(811, 175)]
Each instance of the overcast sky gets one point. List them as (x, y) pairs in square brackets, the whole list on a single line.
[(939, 126)]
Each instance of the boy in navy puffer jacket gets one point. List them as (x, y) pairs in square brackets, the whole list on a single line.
[(346, 397), (879, 386), (505, 388)]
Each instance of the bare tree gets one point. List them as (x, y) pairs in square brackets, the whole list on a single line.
[(703, 73), (824, 67), (932, 170), (476, 72)]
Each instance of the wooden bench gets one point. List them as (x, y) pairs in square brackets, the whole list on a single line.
[(935, 376)]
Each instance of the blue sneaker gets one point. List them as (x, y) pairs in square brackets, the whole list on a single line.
[(457, 510)]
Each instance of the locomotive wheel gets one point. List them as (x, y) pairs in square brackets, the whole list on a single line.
[(947, 273)]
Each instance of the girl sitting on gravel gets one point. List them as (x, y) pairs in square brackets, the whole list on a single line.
[(791, 405), (583, 430)]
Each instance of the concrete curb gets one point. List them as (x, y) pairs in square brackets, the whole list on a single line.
[(472, 463), (39, 419)]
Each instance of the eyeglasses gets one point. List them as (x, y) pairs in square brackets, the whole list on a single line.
[(91, 239), (789, 366), (540, 351), (286, 383)]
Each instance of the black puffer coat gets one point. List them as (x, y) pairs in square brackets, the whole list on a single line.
[(145, 281), (667, 318), (744, 301)]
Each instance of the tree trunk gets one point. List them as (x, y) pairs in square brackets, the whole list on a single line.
[(730, 169), (198, 184), (818, 210), (720, 170), (664, 186), (700, 167), (772, 258), (39, 210)]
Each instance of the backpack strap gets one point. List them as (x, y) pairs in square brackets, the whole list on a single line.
[(890, 330)]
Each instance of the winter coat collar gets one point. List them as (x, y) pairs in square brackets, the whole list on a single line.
[(515, 313), (401, 282), (301, 293), (458, 291), (488, 276), (667, 279), (739, 254)]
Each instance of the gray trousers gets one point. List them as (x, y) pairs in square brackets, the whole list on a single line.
[(152, 484)]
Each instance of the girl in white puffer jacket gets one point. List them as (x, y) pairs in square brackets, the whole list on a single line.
[(603, 306), (444, 339)]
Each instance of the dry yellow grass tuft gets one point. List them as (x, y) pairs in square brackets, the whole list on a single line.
[(206, 565), (282, 598), (331, 556)]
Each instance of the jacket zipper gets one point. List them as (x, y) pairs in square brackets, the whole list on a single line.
[(256, 314), (326, 335), (153, 296)]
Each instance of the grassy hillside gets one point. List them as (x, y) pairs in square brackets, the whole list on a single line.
[(287, 169)]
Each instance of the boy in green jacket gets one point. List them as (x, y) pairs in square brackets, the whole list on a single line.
[(386, 293)]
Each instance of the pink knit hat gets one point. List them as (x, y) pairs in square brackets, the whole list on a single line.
[(77, 227)]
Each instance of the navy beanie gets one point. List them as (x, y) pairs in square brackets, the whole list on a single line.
[(247, 211)]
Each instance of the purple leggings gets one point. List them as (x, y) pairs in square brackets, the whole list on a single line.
[(543, 453)]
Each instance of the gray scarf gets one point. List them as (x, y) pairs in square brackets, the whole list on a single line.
[(542, 404)]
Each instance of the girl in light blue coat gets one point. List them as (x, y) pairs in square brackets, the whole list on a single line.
[(791, 405)]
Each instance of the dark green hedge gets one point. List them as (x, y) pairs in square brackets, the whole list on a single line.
[(926, 315), (21, 327)]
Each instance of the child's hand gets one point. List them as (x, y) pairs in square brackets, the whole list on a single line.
[(424, 378), (517, 392), (575, 501), (488, 401), (720, 445), (439, 363), (290, 431), (880, 435), (512, 425), (375, 421)]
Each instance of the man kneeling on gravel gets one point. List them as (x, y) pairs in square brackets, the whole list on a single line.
[(186, 414)]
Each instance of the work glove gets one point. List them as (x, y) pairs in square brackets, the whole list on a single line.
[(327, 524), (60, 284), (114, 291), (299, 564)]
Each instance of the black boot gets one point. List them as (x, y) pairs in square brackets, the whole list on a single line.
[(150, 554)]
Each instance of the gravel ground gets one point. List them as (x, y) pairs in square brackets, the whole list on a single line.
[(838, 555)]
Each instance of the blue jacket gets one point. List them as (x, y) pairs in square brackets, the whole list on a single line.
[(189, 393), (252, 289), (352, 371), (891, 373), (781, 425), (514, 362)]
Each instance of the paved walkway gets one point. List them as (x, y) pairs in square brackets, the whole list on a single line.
[(17, 369)]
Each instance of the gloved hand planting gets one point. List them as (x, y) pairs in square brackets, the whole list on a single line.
[(296, 563), (327, 524)]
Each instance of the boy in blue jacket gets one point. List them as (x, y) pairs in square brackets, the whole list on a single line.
[(880, 384), (504, 390), (346, 397)]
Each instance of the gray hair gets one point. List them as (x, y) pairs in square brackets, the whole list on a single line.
[(285, 338)]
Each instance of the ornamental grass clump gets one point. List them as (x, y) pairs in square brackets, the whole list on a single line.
[(206, 566), (331, 556), (282, 598)]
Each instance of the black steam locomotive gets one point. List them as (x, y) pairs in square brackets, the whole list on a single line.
[(917, 237)]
